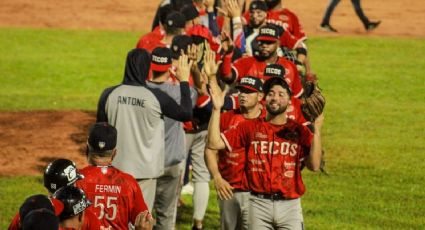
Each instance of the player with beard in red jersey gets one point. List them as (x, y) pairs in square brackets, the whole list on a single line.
[(275, 148), (268, 39), (228, 171)]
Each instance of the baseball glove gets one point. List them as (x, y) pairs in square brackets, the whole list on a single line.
[(313, 102)]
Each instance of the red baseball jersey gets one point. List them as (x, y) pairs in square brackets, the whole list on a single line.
[(90, 221), (274, 154), (14, 224), (251, 66), (294, 111), (116, 196), (231, 164), (290, 22)]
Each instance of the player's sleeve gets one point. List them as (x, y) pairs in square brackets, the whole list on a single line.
[(139, 204), (306, 136), (101, 115), (14, 225), (240, 68), (236, 137), (296, 85), (169, 106), (289, 41)]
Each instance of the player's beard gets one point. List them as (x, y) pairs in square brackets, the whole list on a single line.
[(281, 109)]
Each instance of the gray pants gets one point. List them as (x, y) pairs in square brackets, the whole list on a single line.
[(165, 204), (234, 213), (148, 187), (278, 214), (195, 144)]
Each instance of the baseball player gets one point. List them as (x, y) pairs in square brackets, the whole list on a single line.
[(116, 196), (137, 112), (60, 173), (168, 184), (75, 203), (268, 39), (174, 25), (274, 147), (229, 172)]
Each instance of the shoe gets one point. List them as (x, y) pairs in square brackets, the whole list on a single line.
[(372, 25), (327, 28), (187, 189)]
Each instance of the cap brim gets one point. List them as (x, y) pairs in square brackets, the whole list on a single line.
[(249, 88), (266, 38), (160, 68)]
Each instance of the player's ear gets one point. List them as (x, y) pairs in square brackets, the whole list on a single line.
[(260, 96), (114, 153)]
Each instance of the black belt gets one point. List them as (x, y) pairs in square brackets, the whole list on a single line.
[(272, 196)]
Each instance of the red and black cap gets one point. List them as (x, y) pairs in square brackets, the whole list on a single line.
[(40, 219), (102, 137), (258, 5), (161, 59), (269, 32), (274, 74), (274, 70), (250, 83)]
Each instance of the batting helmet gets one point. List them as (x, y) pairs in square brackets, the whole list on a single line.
[(59, 173), (74, 201)]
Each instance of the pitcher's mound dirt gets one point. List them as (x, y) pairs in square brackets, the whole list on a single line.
[(31, 140)]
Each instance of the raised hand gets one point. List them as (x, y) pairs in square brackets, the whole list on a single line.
[(182, 72)]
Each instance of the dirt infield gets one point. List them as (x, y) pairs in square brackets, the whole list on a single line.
[(29, 140)]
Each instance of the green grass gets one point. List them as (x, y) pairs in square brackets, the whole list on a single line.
[(373, 132)]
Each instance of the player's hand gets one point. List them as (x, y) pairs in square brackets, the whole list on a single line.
[(224, 189), (191, 52), (144, 221), (226, 43), (183, 68), (233, 8), (210, 65), (209, 4)]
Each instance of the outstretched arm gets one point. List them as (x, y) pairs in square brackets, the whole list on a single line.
[(315, 156), (224, 189)]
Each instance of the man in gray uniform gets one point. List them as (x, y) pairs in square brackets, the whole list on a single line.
[(138, 113), (167, 186)]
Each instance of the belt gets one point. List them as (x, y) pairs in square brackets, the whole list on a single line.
[(272, 196)]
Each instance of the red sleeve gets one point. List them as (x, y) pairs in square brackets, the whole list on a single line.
[(292, 77), (14, 225), (297, 29), (139, 204), (287, 40), (241, 67), (237, 137)]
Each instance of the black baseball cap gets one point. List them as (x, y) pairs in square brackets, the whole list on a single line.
[(269, 32), (40, 219), (250, 83), (258, 5), (35, 202), (175, 20), (180, 42), (189, 11), (269, 83), (274, 70), (102, 137), (161, 59)]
